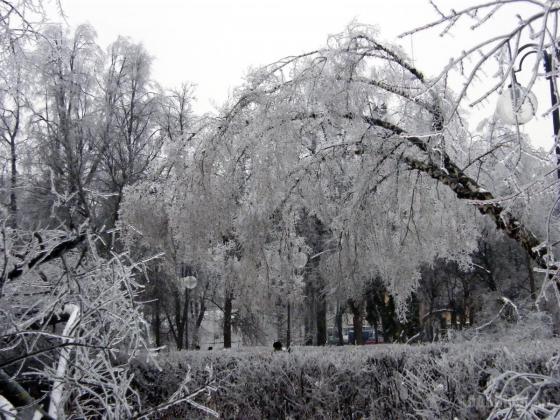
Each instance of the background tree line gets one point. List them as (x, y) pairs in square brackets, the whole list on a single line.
[(236, 196)]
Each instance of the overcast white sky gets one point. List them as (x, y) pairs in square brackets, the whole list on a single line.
[(212, 43)]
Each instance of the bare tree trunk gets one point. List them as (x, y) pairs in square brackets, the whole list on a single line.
[(178, 322), (338, 321), (321, 319), (471, 316), (157, 323), (358, 330), (279, 321), (186, 312), (9, 132), (13, 184), (198, 323), (357, 321), (531, 275), (308, 307), (228, 309), (288, 327), (312, 228), (453, 307)]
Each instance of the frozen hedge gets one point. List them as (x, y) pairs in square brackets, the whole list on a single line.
[(384, 381)]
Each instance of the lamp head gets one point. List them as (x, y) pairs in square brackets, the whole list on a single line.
[(189, 282), (516, 105), (300, 259)]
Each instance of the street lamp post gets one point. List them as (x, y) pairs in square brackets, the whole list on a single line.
[(507, 112), (517, 105), (189, 283), (554, 102)]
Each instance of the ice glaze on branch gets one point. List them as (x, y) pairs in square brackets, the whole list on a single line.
[(47, 255), (347, 52), (466, 188)]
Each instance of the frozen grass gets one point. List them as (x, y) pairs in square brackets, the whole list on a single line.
[(383, 381)]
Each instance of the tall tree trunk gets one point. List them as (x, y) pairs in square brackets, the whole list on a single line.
[(321, 319), (228, 308), (312, 228), (309, 312), (453, 307), (288, 327), (357, 321), (157, 323), (186, 317), (10, 137), (531, 275), (171, 327), (13, 184), (198, 322), (358, 330), (279, 322), (338, 321), (178, 323), (467, 304)]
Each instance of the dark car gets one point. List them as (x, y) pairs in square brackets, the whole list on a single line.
[(368, 335)]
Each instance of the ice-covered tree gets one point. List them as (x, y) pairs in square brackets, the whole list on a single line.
[(320, 132)]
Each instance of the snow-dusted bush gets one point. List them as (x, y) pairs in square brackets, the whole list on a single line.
[(385, 381)]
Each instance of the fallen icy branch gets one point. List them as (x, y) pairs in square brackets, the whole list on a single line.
[(56, 406), (7, 410)]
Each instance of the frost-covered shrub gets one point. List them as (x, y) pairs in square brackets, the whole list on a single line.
[(526, 394), (388, 381), (70, 322)]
